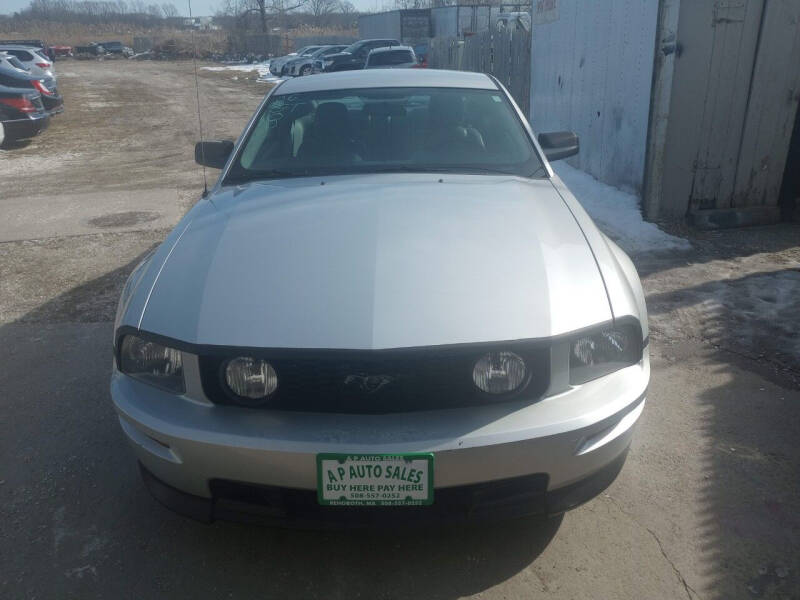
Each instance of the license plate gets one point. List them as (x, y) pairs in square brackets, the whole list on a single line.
[(375, 479)]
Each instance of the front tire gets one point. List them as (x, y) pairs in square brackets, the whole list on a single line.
[(306, 70)]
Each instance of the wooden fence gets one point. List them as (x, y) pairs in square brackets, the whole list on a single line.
[(504, 54)]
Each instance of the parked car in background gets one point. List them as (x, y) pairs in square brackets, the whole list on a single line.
[(394, 57), (38, 65), (47, 51), (354, 56), (91, 49), (388, 308), (305, 54), (22, 113), (53, 102), (60, 50), (276, 64), (304, 65)]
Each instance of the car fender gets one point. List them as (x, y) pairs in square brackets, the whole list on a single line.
[(620, 278)]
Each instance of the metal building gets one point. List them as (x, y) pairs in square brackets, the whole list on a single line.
[(691, 104), (410, 26)]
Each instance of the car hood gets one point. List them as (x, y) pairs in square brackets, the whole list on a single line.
[(375, 261)]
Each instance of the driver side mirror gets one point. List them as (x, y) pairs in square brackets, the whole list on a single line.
[(559, 144), (213, 153)]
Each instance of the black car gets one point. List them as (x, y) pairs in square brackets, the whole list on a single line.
[(52, 101), (22, 114), (354, 56)]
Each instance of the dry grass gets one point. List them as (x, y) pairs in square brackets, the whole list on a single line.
[(73, 34)]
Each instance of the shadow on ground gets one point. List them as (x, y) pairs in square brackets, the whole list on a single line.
[(724, 244), (749, 508)]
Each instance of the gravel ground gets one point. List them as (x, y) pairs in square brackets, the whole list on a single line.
[(707, 505)]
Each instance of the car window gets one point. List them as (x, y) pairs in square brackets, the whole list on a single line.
[(385, 129), (391, 57), (15, 62), (21, 54)]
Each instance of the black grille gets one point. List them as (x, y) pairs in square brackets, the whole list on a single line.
[(376, 382), (516, 497)]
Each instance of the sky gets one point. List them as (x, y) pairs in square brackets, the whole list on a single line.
[(199, 7)]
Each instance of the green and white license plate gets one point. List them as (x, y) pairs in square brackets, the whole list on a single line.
[(375, 479)]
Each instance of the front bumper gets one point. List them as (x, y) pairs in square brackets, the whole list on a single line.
[(491, 501), (191, 445)]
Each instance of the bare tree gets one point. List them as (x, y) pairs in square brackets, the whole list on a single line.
[(169, 10), (265, 9), (320, 8)]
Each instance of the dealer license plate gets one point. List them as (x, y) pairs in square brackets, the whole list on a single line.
[(375, 479)]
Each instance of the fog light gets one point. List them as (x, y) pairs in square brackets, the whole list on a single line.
[(499, 373), (251, 378)]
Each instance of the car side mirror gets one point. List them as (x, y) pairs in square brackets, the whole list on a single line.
[(559, 144), (213, 153)]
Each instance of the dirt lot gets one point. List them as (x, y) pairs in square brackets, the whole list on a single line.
[(706, 507)]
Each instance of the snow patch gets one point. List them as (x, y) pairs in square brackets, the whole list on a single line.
[(262, 68), (617, 213)]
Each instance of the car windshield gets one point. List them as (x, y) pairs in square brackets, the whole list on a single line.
[(379, 130)]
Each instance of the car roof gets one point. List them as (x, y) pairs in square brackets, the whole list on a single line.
[(390, 49), (386, 78)]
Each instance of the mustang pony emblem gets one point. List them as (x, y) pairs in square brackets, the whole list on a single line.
[(368, 383)]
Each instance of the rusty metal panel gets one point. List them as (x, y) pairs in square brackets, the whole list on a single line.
[(772, 107), (592, 67)]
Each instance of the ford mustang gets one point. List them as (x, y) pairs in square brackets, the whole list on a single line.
[(387, 309)]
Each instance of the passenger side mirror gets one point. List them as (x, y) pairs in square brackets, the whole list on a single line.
[(559, 144), (213, 153)]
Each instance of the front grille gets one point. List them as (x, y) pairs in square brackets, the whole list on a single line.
[(506, 498), (377, 382)]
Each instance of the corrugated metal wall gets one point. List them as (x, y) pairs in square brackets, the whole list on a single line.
[(379, 25), (504, 54), (455, 21), (592, 66)]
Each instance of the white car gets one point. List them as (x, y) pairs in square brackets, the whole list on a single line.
[(12, 62), (33, 60), (388, 309)]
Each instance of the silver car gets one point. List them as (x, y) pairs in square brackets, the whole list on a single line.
[(394, 57), (33, 60), (388, 309)]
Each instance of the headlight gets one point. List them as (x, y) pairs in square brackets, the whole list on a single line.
[(499, 373), (250, 378), (152, 363), (604, 352)]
